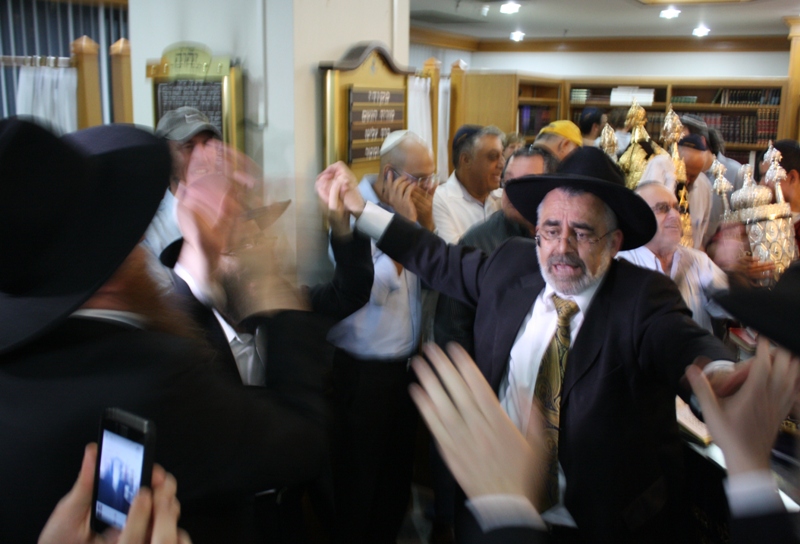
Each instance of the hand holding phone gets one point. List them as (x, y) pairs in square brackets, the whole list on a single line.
[(124, 464), (155, 513)]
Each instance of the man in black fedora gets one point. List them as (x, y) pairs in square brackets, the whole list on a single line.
[(83, 327), (601, 344)]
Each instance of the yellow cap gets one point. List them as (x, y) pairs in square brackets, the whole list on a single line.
[(565, 129)]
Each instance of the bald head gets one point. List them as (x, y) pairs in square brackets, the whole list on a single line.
[(664, 205), (411, 155)]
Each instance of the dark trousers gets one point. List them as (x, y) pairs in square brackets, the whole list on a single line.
[(373, 443)]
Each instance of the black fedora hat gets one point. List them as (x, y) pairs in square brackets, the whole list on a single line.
[(772, 312), (592, 162), (72, 210), (634, 217)]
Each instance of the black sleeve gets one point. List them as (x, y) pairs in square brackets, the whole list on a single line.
[(779, 528), (351, 285), (454, 322)]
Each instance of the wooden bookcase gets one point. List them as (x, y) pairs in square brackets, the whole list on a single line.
[(748, 112)]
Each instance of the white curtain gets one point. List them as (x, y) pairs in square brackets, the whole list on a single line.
[(419, 107), (50, 96), (443, 166)]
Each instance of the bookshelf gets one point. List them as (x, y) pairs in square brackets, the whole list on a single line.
[(748, 112)]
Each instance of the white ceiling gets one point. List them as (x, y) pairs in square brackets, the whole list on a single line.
[(596, 18)]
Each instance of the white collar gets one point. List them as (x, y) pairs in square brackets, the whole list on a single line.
[(118, 316)]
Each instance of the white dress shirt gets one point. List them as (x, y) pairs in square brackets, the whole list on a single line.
[(455, 210), (389, 325), (696, 276), (517, 388)]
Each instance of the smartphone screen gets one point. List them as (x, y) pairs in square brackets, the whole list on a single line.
[(120, 477), (124, 464)]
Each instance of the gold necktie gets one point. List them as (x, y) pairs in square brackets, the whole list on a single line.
[(548, 392)]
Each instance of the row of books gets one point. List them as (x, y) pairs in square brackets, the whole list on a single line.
[(744, 128), (585, 96), (748, 97), (532, 119)]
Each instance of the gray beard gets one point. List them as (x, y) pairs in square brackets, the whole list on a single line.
[(578, 285)]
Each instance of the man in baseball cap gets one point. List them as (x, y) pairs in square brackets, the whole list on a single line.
[(560, 138), (184, 129)]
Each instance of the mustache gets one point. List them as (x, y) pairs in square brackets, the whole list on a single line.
[(566, 258)]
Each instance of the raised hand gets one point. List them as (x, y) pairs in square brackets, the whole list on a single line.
[(480, 444), (347, 186)]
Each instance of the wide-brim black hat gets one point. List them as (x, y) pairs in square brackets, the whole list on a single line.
[(634, 217), (72, 210), (772, 312)]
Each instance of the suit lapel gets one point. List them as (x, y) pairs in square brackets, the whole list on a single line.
[(583, 355), (517, 303)]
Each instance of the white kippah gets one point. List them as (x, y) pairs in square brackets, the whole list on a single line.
[(394, 139)]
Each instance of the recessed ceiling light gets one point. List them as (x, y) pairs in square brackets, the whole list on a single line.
[(517, 36), (509, 8), (485, 10), (670, 13), (701, 31)]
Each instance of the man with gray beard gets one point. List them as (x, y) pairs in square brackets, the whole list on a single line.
[(602, 345)]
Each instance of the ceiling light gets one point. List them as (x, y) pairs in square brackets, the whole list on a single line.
[(509, 8), (485, 10), (701, 31), (517, 36), (670, 13)]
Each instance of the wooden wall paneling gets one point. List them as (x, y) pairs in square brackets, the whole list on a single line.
[(432, 69), (792, 98), (457, 104), (84, 52), (491, 99), (121, 88)]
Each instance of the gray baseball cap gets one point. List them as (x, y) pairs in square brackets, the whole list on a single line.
[(184, 123)]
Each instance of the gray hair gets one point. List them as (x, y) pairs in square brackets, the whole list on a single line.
[(469, 145)]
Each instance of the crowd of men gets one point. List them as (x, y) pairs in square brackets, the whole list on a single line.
[(141, 271)]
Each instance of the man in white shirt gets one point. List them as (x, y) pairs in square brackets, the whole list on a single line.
[(692, 150), (374, 419), (695, 274), (628, 342), (472, 192)]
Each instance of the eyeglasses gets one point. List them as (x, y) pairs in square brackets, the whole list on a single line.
[(664, 208), (576, 239), (426, 183)]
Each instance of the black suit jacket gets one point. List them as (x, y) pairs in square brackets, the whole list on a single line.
[(619, 444), (223, 441), (779, 528), (347, 292)]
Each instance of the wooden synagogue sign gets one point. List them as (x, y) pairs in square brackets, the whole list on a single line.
[(188, 75), (365, 100)]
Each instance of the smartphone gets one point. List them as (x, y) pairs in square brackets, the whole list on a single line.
[(125, 450)]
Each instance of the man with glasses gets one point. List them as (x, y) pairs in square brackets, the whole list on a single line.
[(695, 274), (374, 418), (600, 343)]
